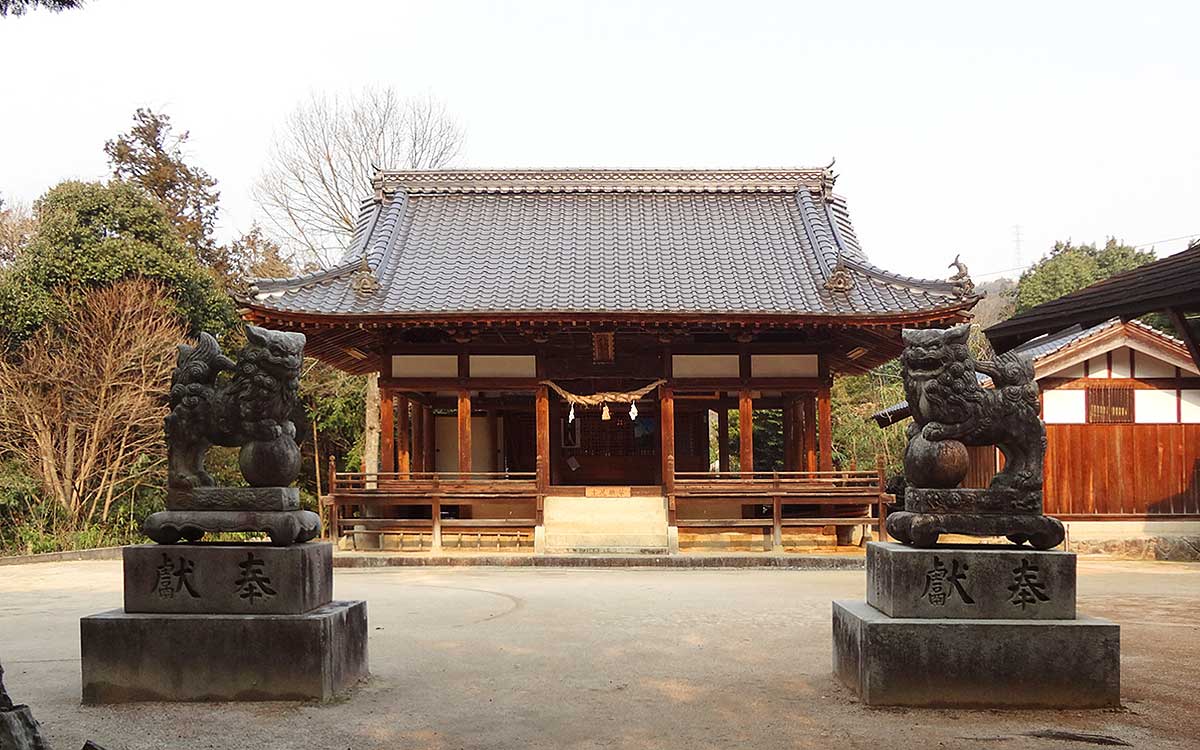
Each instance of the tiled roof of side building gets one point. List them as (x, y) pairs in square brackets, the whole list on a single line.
[(606, 241)]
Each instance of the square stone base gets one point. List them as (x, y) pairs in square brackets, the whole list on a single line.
[(892, 661), (163, 657), (230, 579)]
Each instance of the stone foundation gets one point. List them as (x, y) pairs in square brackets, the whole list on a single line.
[(225, 622), (974, 626), (209, 657)]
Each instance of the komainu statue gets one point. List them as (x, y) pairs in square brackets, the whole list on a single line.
[(251, 409), (246, 404), (952, 409)]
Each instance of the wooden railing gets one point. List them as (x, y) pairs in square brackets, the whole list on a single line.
[(361, 491), (825, 491)]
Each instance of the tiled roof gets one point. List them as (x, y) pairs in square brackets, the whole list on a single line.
[(606, 241)]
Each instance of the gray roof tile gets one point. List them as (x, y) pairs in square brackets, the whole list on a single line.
[(751, 241)]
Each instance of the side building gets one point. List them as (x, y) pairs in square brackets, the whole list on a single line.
[(541, 335)]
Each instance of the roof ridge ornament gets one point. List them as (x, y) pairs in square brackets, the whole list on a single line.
[(363, 280), (828, 178), (840, 278), (963, 286)]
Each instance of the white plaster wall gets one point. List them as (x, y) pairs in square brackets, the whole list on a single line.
[(1064, 407), (503, 366), (784, 365), (1155, 407), (1098, 366), (424, 366), (1191, 406), (704, 365), (1120, 363), (1074, 371), (1145, 366)]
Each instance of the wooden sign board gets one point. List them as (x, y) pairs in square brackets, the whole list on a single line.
[(607, 492)]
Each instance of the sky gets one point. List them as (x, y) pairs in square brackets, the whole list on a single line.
[(986, 129)]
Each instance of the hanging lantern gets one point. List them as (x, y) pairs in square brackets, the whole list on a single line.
[(571, 414), (633, 410), (604, 413)]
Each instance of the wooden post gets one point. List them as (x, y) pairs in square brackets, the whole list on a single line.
[(418, 437), (722, 439), (810, 433), (880, 469), (789, 437), (464, 431), (403, 456), (427, 437), (387, 431), (542, 433), (493, 423), (333, 530), (666, 428), (746, 432), (825, 428)]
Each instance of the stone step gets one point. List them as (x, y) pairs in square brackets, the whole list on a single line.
[(606, 525)]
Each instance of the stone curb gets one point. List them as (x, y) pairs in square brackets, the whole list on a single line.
[(98, 553), (790, 562)]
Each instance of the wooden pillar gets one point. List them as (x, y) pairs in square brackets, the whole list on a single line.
[(403, 463), (464, 431), (797, 453), (809, 405), (387, 432), (427, 430), (722, 438), (418, 437), (746, 431), (666, 428), (789, 436), (541, 419), (493, 423), (825, 428)]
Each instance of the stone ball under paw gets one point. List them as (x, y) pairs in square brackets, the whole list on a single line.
[(935, 463), (270, 463)]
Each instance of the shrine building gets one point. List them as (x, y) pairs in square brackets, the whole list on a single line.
[(561, 353)]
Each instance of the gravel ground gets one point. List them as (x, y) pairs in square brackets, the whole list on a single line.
[(610, 658)]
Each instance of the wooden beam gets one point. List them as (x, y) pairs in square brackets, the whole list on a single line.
[(809, 406), (464, 430), (387, 431), (666, 418), (825, 429), (403, 455), (1186, 332), (746, 430), (723, 439), (418, 437)]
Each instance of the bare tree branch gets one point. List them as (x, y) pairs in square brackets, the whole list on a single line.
[(321, 164)]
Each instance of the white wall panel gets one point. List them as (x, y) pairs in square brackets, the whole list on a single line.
[(784, 365), (503, 366), (425, 366), (1098, 366), (1145, 366), (704, 365), (1120, 363), (1191, 406), (1155, 407), (1064, 407)]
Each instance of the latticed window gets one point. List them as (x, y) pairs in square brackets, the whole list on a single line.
[(1110, 404)]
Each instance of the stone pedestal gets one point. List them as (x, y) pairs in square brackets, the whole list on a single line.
[(969, 625), (225, 622)]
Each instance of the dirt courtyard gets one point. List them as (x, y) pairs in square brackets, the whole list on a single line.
[(604, 658)]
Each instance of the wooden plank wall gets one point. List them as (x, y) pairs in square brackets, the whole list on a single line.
[(1140, 469), (1127, 468)]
